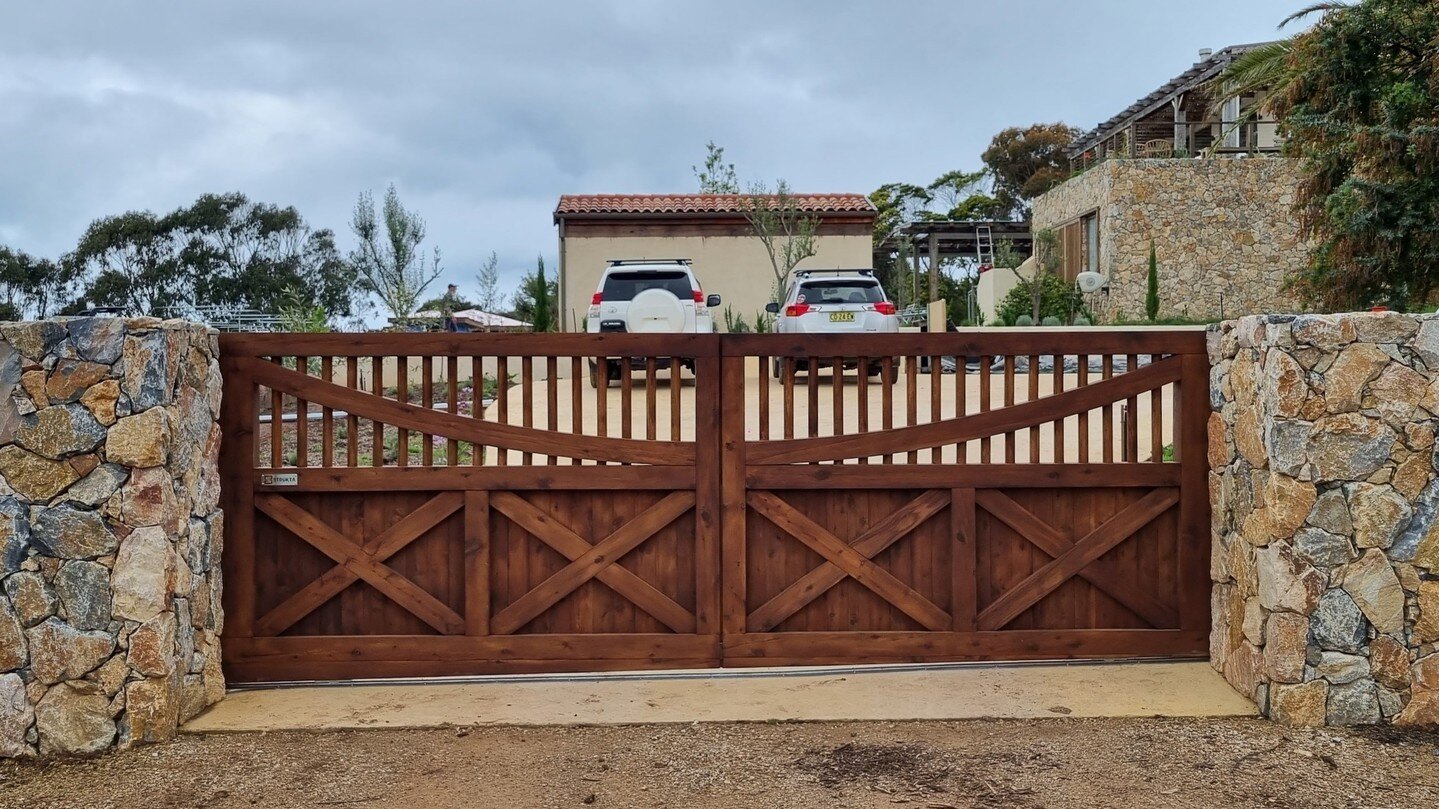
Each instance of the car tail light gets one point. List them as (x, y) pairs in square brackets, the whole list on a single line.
[(699, 296), (885, 308), (598, 298), (796, 309)]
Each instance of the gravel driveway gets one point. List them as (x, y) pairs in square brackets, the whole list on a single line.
[(995, 763)]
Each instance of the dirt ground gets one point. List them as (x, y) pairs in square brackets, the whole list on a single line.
[(993, 764)]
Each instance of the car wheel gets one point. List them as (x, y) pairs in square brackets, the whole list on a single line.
[(878, 370), (613, 371)]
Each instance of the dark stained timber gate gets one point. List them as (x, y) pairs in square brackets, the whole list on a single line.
[(412, 505)]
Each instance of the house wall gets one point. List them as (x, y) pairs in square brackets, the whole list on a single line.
[(995, 284), (737, 268), (1224, 232)]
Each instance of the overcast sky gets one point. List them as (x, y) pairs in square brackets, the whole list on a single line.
[(482, 114)]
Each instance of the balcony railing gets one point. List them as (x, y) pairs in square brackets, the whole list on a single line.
[(1158, 139)]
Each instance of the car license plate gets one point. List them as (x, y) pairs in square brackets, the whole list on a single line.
[(841, 317)]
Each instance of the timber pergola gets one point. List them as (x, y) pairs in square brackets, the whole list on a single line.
[(950, 238)]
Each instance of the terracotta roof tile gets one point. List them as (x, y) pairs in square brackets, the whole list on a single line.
[(699, 203)]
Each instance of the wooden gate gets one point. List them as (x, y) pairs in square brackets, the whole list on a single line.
[(409, 505), (1013, 494), (396, 511)]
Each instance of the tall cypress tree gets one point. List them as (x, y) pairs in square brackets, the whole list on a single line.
[(543, 318), (1151, 296)]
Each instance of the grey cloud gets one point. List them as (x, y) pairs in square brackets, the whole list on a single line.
[(484, 113)]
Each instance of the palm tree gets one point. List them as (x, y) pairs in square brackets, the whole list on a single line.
[(1263, 68)]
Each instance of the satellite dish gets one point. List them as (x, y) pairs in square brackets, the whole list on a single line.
[(1091, 281)]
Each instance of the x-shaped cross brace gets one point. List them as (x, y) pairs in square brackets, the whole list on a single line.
[(1082, 558), (360, 562), (592, 561), (842, 559)]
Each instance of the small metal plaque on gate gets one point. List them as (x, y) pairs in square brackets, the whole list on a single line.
[(281, 479)]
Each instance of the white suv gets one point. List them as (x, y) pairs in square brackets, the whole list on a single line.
[(648, 296), (834, 302)]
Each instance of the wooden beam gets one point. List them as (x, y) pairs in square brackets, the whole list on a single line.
[(849, 560), (592, 562), (1109, 578), (333, 544), (380, 548), (934, 273), (572, 546), (871, 543), (1080, 555)]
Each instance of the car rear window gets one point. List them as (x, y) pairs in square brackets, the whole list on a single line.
[(624, 286), (822, 292)]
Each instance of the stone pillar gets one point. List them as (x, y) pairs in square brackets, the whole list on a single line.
[(110, 532), (1324, 494)]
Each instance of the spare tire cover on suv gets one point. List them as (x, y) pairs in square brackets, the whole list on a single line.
[(655, 310)]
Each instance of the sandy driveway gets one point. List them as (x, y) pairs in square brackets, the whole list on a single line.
[(827, 416)]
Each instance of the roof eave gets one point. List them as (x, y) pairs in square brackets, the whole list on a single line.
[(1202, 74), (612, 216)]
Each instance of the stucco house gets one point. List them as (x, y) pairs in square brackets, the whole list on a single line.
[(1213, 195), (708, 229)]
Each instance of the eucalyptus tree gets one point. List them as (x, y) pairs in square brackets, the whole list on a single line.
[(388, 258)]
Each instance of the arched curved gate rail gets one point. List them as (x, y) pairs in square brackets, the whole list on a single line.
[(408, 505)]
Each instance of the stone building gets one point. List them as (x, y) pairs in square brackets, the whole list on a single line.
[(710, 230), (1213, 197)]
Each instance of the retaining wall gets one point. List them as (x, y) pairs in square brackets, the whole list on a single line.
[(110, 532), (1324, 494)]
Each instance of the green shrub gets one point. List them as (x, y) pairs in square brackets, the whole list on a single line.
[(1060, 300), (734, 323), (1051, 321), (1024, 320)]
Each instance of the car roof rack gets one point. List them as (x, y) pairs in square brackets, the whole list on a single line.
[(803, 273), (620, 262)]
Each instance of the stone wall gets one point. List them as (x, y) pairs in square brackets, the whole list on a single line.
[(1324, 494), (1224, 232), (110, 532)]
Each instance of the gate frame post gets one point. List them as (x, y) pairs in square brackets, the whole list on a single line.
[(709, 433), (732, 392)]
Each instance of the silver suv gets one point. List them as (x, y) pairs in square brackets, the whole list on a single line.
[(834, 302), (648, 296)]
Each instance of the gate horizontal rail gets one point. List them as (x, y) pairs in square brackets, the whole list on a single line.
[(407, 504)]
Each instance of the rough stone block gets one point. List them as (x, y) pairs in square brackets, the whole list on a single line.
[(59, 651), (1286, 647), (74, 719), (1372, 584), (1299, 705), (142, 575)]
